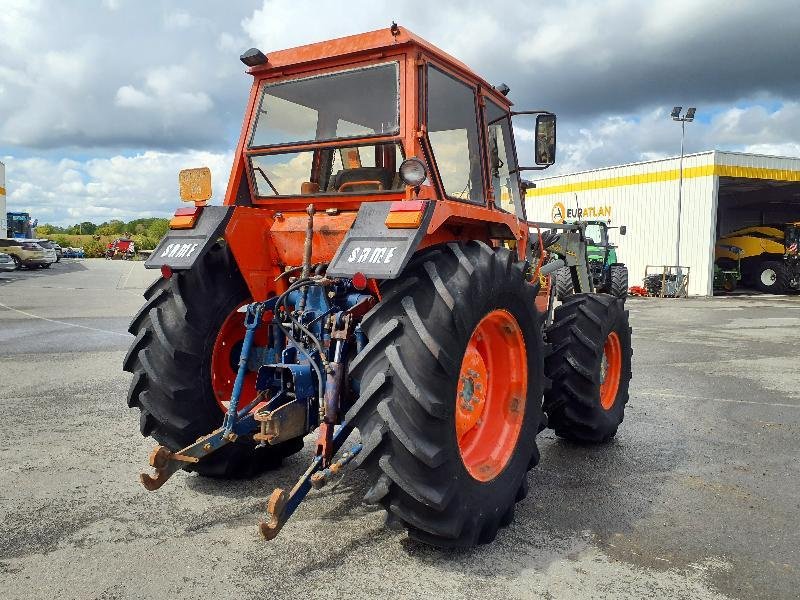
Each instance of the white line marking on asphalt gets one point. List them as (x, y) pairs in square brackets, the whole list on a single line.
[(731, 400), (128, 276), (27, 314)]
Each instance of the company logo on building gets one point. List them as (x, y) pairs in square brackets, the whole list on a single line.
[(561, 213)]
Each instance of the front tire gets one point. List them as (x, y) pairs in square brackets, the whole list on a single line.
[(563, 281), (590, 367), (450, 344), (171, 361), (772, 277), (618, 274)]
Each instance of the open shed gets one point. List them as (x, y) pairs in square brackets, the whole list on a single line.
[(721, 192)]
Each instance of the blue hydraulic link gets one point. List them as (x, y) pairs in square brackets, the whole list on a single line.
[(252, 319)]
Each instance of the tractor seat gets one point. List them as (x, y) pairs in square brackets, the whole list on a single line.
[(363, 179)]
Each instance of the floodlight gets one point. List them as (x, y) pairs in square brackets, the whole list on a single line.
[(253, 57), (676, 112), (690, 113)]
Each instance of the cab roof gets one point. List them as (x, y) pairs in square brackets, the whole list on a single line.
[(355, 46)]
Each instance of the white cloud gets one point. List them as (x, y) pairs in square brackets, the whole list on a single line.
[(68, 191), (168, 90), (178, 19), (129, 97)]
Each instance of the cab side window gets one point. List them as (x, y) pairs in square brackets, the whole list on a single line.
[(502, 166), (453, 133)]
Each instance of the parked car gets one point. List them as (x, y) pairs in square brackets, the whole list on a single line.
[(25, 253), (49, 251), (59, 251), (70, 252), (7, 263)]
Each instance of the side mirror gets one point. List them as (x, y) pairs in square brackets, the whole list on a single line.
[(623, 229), (545, 139)]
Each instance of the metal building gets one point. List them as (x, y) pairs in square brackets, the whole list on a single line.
[(721, 191), (3, 223)]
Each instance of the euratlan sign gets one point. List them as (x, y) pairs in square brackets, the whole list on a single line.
[(561, 213)]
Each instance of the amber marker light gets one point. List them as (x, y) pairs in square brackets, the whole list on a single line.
[(405, 214), (185, 218)]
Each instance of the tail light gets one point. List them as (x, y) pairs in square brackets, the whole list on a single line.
[(185, 218), (405, 214)]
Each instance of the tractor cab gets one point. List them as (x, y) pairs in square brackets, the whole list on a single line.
[(598, 243), (597, 234), (388, 117), (791, 239)]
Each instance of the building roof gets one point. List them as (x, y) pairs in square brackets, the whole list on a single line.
[(719, 156), (730, 165)]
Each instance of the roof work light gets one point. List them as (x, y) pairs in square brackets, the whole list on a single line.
[(253, 57)]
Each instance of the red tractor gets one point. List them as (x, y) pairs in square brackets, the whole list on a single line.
[(120, 249), (372, 268)]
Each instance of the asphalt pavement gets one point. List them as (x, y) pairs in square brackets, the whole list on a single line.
[(697, 497)]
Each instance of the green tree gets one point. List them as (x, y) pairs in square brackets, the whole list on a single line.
[(158, 229), (94, 249), (105, 230), (87, 228)]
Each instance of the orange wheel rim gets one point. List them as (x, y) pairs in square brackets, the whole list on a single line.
[(610, 371), (225, 360), (490, 395)]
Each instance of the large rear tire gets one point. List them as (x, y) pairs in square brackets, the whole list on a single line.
[(772, 277), (590, 367), (455, 351), (171, 361)]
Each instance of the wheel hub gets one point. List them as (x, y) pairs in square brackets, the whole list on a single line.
[(768, 276), (490, 395), (471, 391), (610, 370)]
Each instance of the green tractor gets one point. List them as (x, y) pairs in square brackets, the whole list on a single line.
[(728, 274), (608, 275)]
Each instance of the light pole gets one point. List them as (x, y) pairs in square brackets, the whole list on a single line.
[(687, 118)]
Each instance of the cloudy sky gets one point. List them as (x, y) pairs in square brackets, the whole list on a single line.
[(102, 102)]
